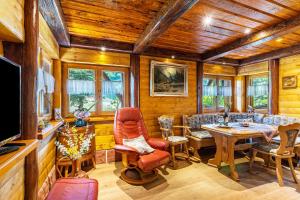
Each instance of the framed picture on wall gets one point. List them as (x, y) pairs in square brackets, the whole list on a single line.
[(289, 82), (168, 79)]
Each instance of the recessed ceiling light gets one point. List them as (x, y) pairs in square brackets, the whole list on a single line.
[(207, 20), (172, 56), (279, 40), (247, 30), (103, 48)]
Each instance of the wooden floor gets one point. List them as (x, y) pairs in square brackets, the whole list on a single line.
[(198, 181)]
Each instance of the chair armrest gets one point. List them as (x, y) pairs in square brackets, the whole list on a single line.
[(125, 149), (158, 143)]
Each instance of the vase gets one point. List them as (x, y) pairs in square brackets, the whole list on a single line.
[(80, 122), (74, 168)]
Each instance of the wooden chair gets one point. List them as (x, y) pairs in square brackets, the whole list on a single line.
[(284, 150), (166, 127), (63, 164)]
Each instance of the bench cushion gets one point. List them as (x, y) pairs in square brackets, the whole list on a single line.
[(74, 188), (201, 134)]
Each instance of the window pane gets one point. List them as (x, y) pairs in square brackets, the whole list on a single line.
[(224, 93), (209, 93), (260, 92), (112, 90), (81, 89)]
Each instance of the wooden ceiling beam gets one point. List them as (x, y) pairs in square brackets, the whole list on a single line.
[(254, 39), (164, 19), (284, 52), (53, 15), (96, 44), (226, 61)]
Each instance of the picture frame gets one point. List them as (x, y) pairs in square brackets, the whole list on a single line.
[(289, 82), (168, 79)]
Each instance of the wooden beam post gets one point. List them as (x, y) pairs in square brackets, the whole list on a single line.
[(273, 86), (29, 94), (134, 80), (168, 14), (200, 73), (57, 71)]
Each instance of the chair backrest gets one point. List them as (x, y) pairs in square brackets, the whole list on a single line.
[(288, 135), (166, 125), (129, 124)]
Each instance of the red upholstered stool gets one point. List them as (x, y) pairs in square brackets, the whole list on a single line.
[(74, 189)]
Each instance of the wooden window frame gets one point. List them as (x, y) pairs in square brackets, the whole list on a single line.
[(98, 86), (217, 78), (249, 100)]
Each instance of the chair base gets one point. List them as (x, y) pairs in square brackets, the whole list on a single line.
[(135, 176)]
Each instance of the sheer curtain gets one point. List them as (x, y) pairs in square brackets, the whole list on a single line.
[(257, 90), (83, 87), (110, 88), (45, 82)]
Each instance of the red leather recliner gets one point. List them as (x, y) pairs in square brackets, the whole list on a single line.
[(139, 169)]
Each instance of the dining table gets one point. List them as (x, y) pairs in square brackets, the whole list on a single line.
[(226, 138)]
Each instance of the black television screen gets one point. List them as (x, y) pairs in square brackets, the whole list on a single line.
[(10, 107)]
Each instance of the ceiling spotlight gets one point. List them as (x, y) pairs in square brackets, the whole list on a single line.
[(207, 21), (279, 40), (172, 56), (103, 48), (247, 30)]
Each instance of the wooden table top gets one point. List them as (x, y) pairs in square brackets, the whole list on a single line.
[(235, 129)]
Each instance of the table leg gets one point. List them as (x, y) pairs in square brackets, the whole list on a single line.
[(233, 173), (216, 161)]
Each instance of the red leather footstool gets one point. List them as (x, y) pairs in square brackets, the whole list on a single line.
[(74, 189)]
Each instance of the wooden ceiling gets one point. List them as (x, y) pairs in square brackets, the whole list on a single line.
[(127, 21)]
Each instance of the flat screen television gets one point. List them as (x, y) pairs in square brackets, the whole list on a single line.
[(10, 107)]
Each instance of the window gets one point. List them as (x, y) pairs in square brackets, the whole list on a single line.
[(217, 93), (101, 90), (258, 91)]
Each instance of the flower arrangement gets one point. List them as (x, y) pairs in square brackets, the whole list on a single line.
[(75, 144)]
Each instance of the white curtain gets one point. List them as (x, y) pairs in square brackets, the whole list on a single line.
[(110, 88), (225, 91), (257, 90), (209, 90), (45, 82), (81, 87)]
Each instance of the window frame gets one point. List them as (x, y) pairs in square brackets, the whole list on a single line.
[(98, 86), (217, 108), (249, 99)]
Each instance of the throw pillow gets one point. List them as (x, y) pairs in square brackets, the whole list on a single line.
[(140, 144)]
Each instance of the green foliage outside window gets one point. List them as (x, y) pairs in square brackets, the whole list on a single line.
[(260, 101)]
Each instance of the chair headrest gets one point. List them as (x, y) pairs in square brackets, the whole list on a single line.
[(128, 114)]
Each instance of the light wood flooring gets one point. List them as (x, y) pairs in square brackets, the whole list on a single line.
[(198, 181)]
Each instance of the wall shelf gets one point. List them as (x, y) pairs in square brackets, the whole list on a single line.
[(52, 127), (7, 161)]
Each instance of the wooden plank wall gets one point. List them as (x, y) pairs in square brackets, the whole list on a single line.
[(212, 69), (12, 183), (87, 56), (12, 20), (289, 99), (153, 107)]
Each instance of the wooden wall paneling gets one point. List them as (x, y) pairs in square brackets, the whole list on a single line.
[(168, 14), (47, 40), (29, 77), (153, 107), (134, 80), (289, 99), (256, 68), (273, 86), (53, 15), (200, 73), (213, 69), (94, 57), (12, 182), (12, 20), (13, 51), (57, 73)]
